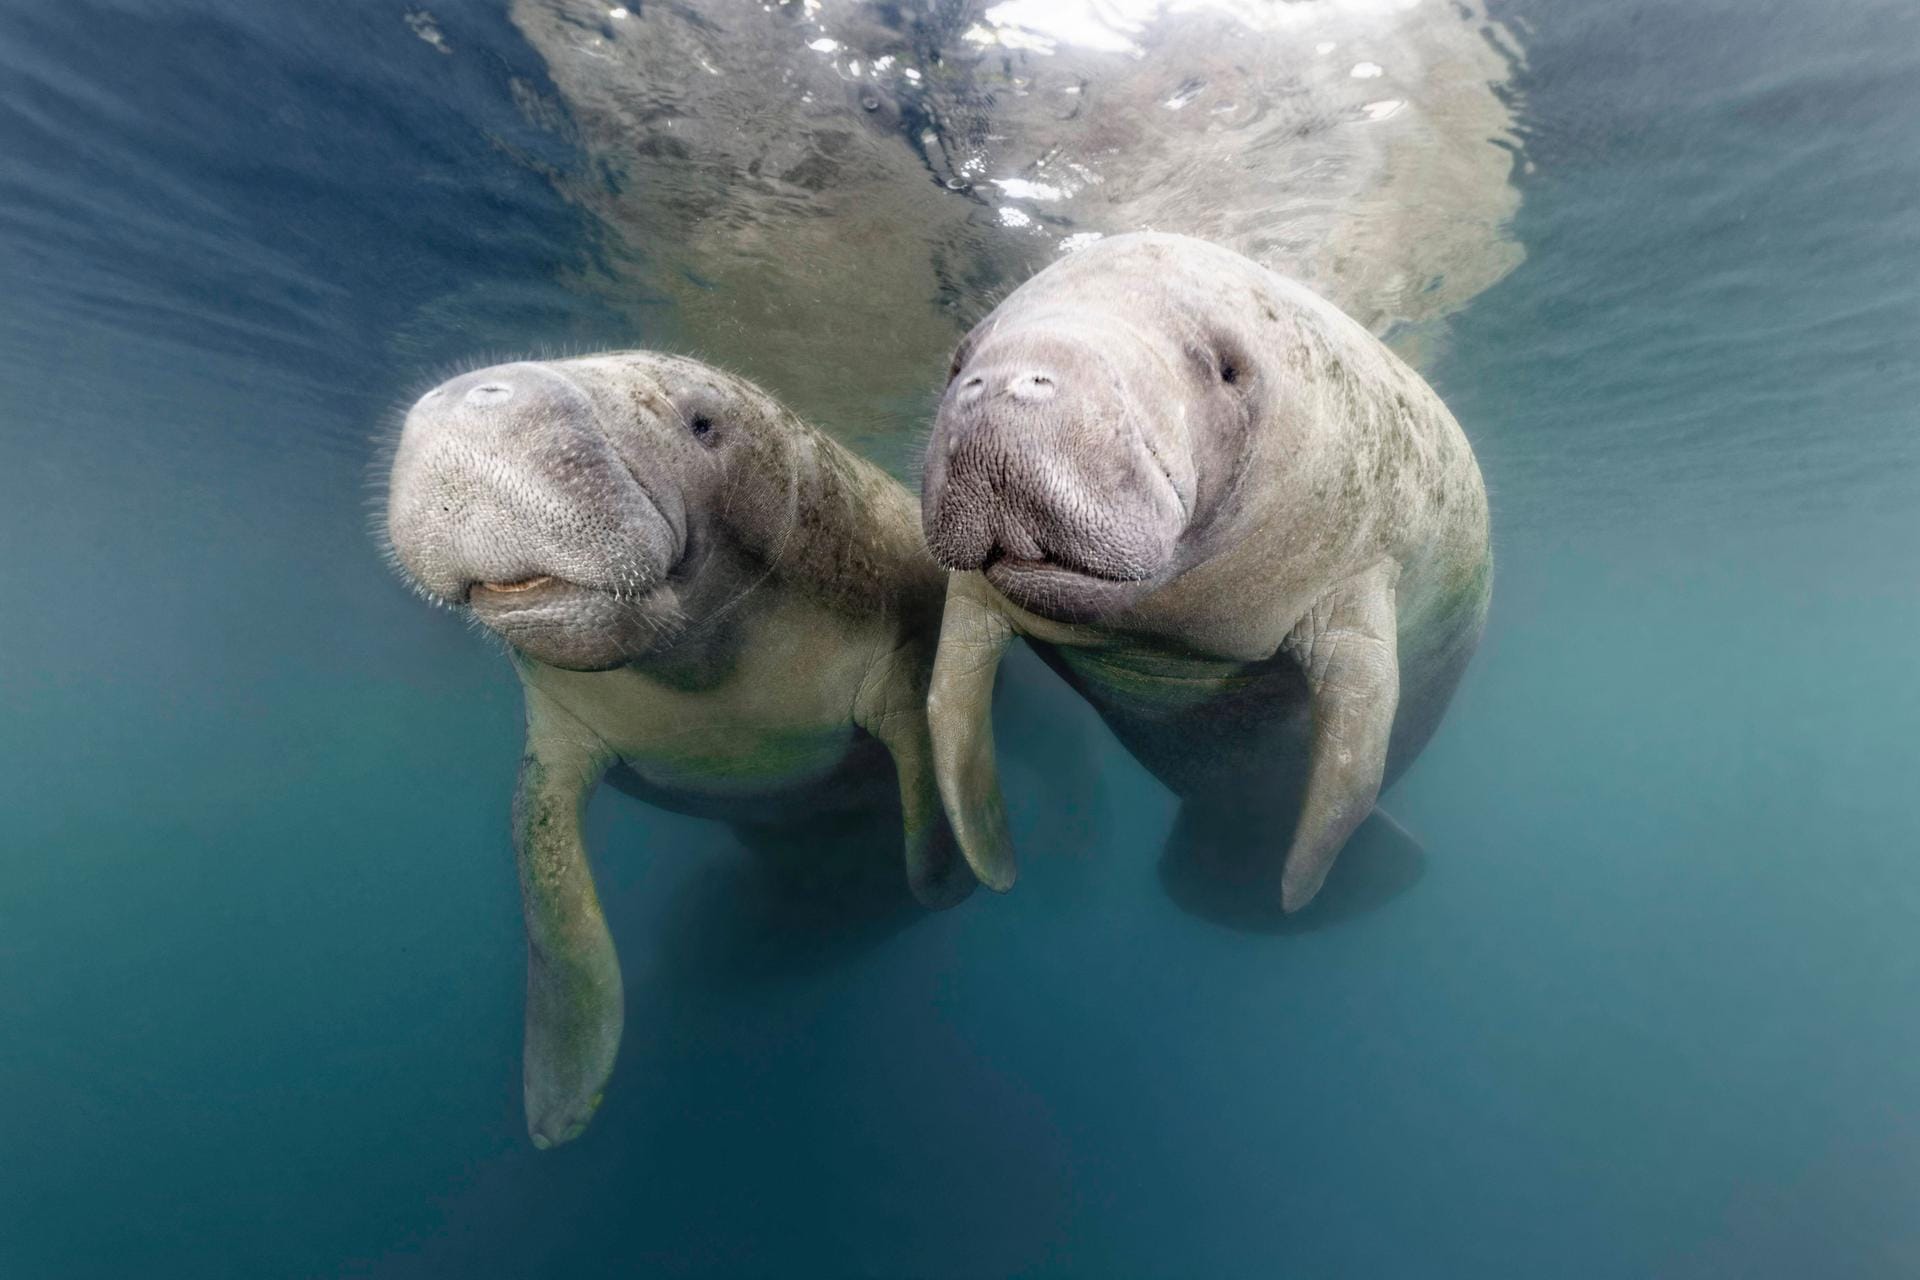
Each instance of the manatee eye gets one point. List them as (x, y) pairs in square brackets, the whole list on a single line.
[(1219, 359), (701, 409)]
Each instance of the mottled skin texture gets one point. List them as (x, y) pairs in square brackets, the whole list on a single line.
[(701, 592), (1250, 535)]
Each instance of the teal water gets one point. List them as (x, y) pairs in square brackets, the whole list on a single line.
[(1644, 1007)]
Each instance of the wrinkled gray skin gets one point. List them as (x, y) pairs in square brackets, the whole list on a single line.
[(696, 586), (1233, 520)]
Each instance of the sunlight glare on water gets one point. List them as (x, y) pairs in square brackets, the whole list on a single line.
[(904, 169)]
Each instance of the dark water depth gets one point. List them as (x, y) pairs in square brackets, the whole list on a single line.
[(1643, 1006)]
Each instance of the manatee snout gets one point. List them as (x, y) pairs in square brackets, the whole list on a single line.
[(1045, 473), (514, 495)]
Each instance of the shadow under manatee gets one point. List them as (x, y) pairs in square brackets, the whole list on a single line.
[(797, 898), (788, 901), (1232, 877)]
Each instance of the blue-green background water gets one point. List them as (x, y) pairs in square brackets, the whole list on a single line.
[(1650, 1010)]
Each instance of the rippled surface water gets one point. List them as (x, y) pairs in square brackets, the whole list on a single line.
[(1644, 1006)]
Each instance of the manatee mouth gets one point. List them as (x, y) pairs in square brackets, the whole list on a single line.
[(1063, 592), (1016, 567), (490, 600), (574, 625), (509, 588), (539, 594)]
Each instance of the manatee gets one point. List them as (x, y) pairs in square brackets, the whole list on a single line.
[(1231, 518), (696, 588)]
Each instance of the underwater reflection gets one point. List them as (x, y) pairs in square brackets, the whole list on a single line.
[(823, 196)]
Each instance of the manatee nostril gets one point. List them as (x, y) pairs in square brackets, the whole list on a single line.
[(970, 390), (490, 393), (1032, 387)]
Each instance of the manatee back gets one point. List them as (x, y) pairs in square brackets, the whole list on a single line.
[(1402, 457)]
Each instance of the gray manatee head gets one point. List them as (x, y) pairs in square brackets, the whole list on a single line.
[(1093, 423), (552, 499)]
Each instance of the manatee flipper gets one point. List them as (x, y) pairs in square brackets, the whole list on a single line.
[(892, 706), (1348, 649), (575, 1004), (974, 633)]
